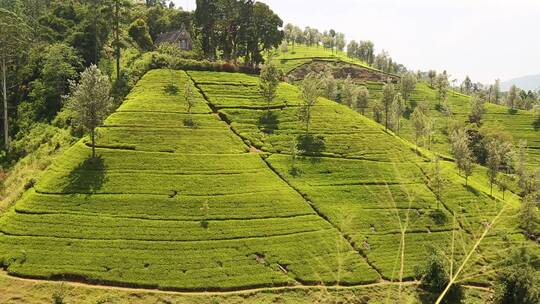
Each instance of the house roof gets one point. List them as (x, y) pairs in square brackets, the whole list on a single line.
[(174, 36)]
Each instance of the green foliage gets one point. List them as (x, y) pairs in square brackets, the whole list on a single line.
[(435, 277), (138, 31), (477, 110), (407, 85), (90, 101), (310, 93), (310, 145), (519, 281), (268, 82), (258, 29), (462, 152)]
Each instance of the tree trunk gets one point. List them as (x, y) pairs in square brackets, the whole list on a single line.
[(4, 94), (93, 135), (117, 30), (385, 117)]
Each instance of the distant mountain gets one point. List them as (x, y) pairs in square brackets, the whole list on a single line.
[(531, 82)]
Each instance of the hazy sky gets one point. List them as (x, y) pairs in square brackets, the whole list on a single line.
[(485, 39)]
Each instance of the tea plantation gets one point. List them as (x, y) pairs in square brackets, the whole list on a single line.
[(221, 204)]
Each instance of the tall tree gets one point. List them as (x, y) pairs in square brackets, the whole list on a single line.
[(462, 152), (441, 84), (497, 91), (407, 85), (511, 98), (349, 92), (398, 108), (90, 100), (420, 123), (206, 15), (498, 153), (387, 98), (13, 34), (431, 75), (467, 85), (363, 99), (268, 83), (477, 110), (310, 93), (436, 180)]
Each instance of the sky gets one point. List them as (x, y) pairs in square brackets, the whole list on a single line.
[(485, 39)]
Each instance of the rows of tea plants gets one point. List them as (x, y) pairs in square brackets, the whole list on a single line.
[(371, 185), (173, 206)]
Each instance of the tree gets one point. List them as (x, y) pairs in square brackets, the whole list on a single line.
[(504, 182), (435, 277), (329, 85), (511, 99), (387, 98), (431, 75), (436, 180), (352, 49), (498, 152), (529, 215), (340, 41), (420, 123), (408, 84), (462, 152), (189, 97), (366, 52), (398, 108), (477, 110), (349, 93), (90, 101), (441, 84), (13, 34), (378, 109), (467, 85), (268, 83), (363, 99), (518, 282), (138, 31), (310, 93), (205, 17), (497, 90)]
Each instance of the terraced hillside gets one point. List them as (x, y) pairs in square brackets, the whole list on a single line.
[(367, 183), (523, 125), (172, 207), (217, 207)]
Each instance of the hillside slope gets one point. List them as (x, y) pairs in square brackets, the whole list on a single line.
[(193, 208), (171, 207), (523, 125)]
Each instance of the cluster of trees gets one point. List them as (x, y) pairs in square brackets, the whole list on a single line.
[(331, 39), (237, 29), (515, 98), (335, 41), (45, 44)]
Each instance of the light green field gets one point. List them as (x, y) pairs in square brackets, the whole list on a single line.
[(172, 207)]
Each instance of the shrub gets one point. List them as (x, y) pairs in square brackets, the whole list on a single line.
[(311, 145), (435, 279)]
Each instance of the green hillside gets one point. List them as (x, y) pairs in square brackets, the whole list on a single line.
[(523, 125), (300, 54), (217, 207)]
